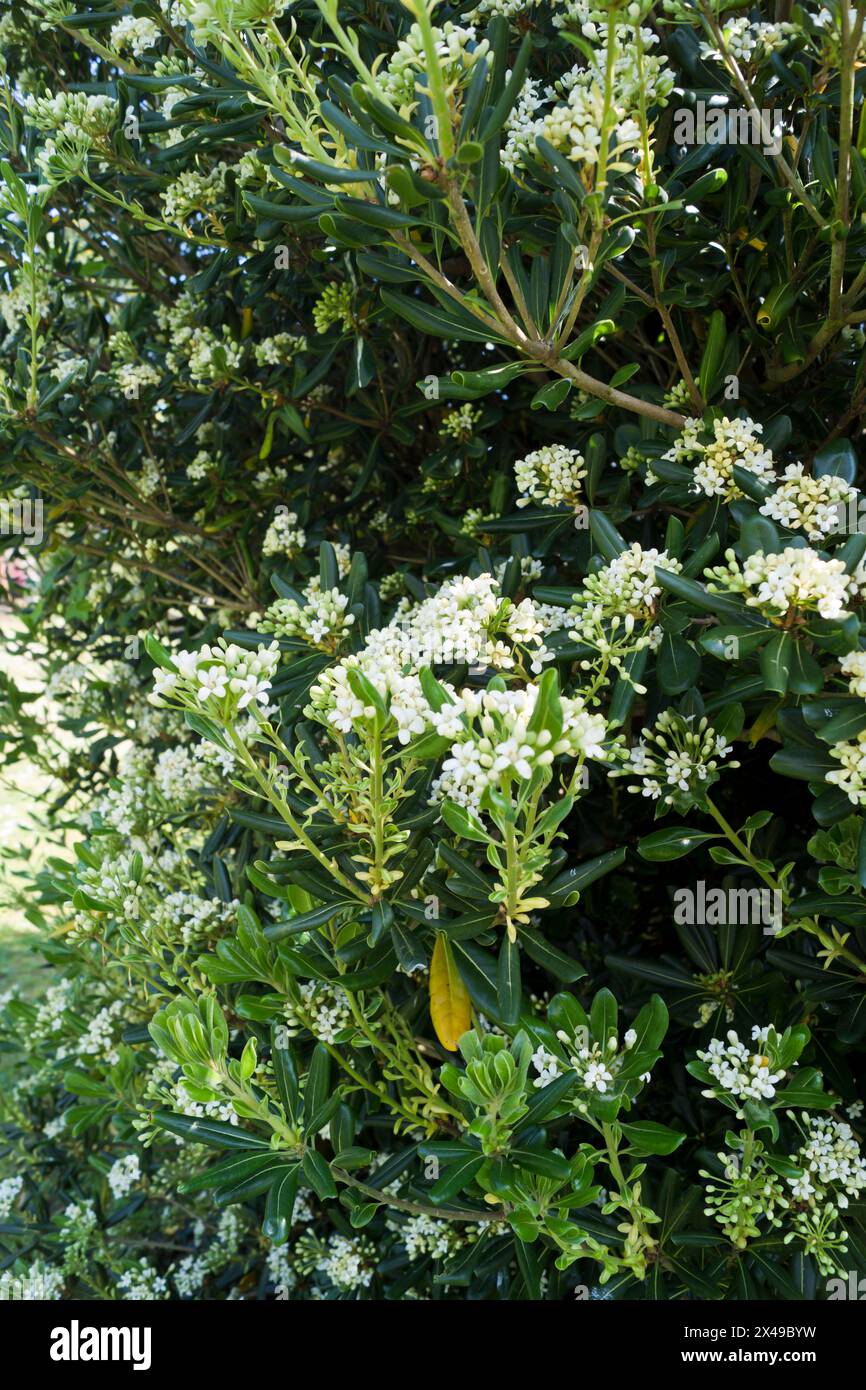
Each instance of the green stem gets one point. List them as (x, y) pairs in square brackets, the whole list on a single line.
[(742, 848), (438, 92), (846, 125), (611, 1141), (279, 803), (807, 924), (420, 1208)]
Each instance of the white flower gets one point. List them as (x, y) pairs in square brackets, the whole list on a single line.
[(796, 578), (550, 476), (817, 506), (457, 50), (284, 536), (124, 1174), (349, 1263), (674, 756), (219, 672), (734, 443), (9, 1190), (547, 1065), (134, 34), (744, 1075), (853, 664), (597, 1077), (322, 620)]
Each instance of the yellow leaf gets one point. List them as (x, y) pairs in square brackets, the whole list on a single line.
[(450, 1009)]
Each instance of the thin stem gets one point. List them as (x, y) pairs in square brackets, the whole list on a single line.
[(281, 805), (438, 91), (419, 1208)]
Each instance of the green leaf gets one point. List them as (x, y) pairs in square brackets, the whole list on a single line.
[(454, 323), (673, 842), (464, 822), (603, 1016), (556, 962), (776, 659), (317, 1088), (318, 1175), (649, 1137), (455, 1179), (212, 1132), (678, 664)]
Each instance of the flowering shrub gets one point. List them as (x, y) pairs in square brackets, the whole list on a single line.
[(431, 509)]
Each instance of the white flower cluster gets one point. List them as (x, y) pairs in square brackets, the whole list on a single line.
[(134, 34), (191, 348), (146, 786), (744, 1075), (322, 620), (10, 1188), (672, 757), (550, 475), (177, 772), (276, 351), (497, 746), (570, 115), (334, 703), (225, 671), (284, 536), (468, 621), (119, 880), (424, 1235), (851, 776), (626, 587), (596, 1066), (194, 192), (349, 1263), (73, 114), (142, 1283), (49, 1014), (134, 377), (456, 48), (524, 125), (734, 443), (211, 358), (189, 918), (100, 1037), (124, 1174), (795, 578), (78, 1218), (853, 664), (817, 506), (320, 1007), (830, 1158), (750, 41), (612, 613), (189, 1275)]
